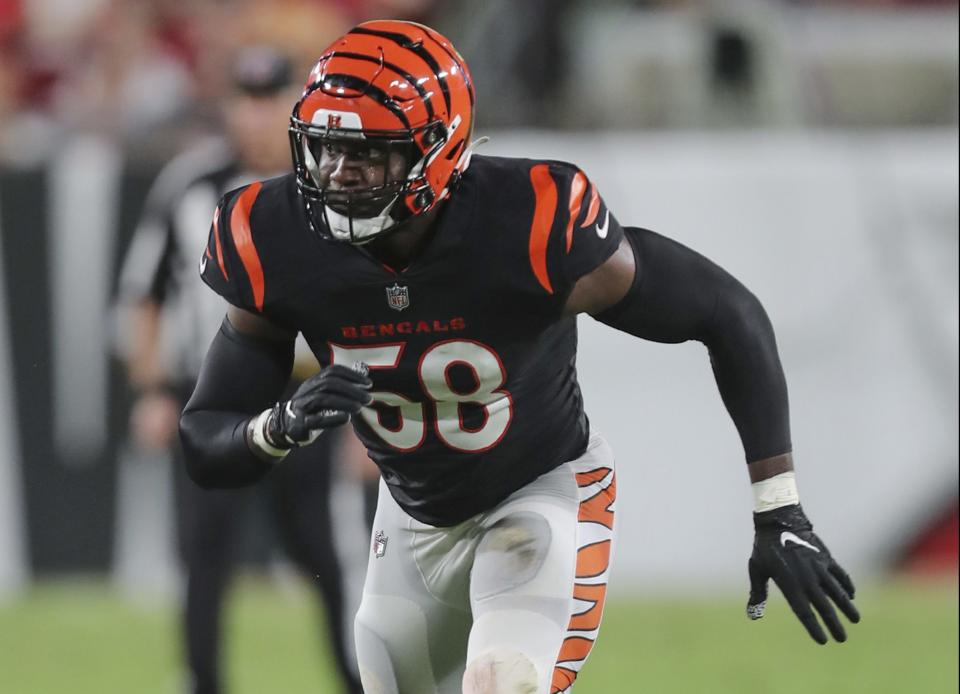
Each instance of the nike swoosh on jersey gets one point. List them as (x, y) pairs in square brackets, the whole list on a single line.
[(203, 264), (787, 536), (602, 228)]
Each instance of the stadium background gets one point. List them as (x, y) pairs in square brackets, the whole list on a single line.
[(809, 147)]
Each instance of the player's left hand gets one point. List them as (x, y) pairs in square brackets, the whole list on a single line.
[(786, 549)]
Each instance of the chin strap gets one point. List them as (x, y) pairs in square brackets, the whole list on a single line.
[(358, 230)]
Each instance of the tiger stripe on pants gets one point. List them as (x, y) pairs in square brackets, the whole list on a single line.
[(598, 490)]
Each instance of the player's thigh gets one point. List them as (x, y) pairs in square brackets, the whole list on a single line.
[(539, 579), (408, 641)]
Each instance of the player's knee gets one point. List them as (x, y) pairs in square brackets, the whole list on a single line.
[(504, 671)]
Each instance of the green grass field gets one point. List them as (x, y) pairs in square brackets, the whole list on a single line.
[(81, 639)]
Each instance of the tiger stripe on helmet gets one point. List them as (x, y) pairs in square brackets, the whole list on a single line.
[(416, 47), (338, 63), (424, 95), (366, 89)]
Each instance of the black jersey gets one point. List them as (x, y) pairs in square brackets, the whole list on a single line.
[(473, 364)]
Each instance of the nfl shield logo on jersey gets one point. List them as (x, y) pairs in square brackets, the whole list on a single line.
[(398, 298)]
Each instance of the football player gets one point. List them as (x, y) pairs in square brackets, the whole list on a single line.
[(440, 290)]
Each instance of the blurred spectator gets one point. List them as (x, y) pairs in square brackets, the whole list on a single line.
[(171, 318), (129, 79), (114, 67)]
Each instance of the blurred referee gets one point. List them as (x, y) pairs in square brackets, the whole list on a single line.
[(171, 318)]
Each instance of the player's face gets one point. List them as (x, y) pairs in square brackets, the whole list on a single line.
[(354, 165)]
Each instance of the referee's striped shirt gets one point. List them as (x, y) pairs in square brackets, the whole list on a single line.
[(162, 261)]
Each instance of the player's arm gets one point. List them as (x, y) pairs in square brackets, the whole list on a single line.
[(233, 427), (660, 290), (246, 369)]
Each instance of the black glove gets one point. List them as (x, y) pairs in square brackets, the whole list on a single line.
[(786, 550), (325, 400)]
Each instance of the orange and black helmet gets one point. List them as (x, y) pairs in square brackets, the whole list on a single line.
[(382, 131)]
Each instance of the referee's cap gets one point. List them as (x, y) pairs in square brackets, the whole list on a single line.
[(261, 70)]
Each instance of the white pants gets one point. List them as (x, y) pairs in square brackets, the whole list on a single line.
[(513, 595)]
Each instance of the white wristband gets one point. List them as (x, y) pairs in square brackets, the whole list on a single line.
[(779, 490), (260, 439)]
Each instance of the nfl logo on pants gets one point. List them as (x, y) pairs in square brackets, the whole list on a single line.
[(379, 544), (398, 298)]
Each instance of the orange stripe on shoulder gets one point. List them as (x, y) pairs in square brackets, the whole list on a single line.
[(545, 209), (243, 240), (577, 188), (594, 207), (216, 242)]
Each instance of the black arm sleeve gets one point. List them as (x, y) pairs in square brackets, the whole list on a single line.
[(241, 376), (679, 295)]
